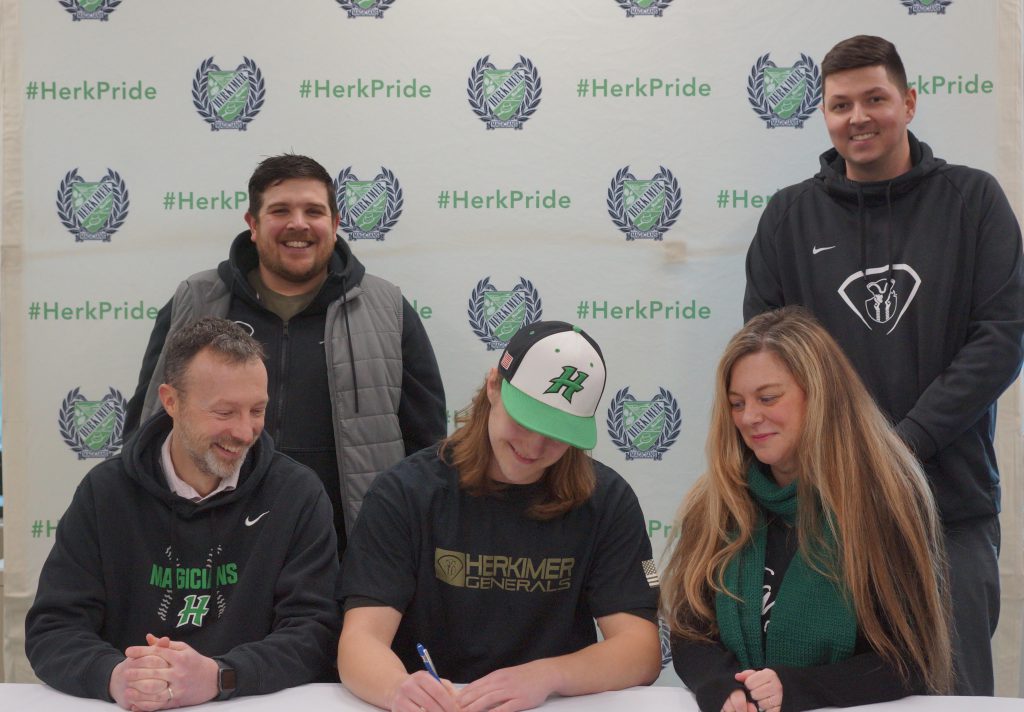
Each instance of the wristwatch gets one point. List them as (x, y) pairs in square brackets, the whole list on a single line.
[(226, 680)]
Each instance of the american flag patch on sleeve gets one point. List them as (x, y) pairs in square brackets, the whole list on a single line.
[(651, 574)]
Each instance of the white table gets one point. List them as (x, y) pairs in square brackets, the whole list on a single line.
[(335, 698), (328, 697)]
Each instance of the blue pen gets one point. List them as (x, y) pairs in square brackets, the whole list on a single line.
[(427, 662)]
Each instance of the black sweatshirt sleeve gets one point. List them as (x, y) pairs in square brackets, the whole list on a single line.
[(149, 360), (307, 620), (62, 629), (862, 679), (421, 411), (708, 668), (764, 289), (990, 359)]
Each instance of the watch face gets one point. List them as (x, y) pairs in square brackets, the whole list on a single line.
[(227, 679)]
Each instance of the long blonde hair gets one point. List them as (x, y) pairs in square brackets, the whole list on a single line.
[(567, 484), (889, 543)]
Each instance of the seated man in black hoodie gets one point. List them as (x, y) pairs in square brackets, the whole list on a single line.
[(199, 563)]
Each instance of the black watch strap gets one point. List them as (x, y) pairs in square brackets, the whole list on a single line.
[(226, 681)]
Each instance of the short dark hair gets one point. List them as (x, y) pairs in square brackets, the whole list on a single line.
[(276, 169), (225, 338), (865, 51)]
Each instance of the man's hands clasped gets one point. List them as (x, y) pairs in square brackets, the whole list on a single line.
[(163, 674)]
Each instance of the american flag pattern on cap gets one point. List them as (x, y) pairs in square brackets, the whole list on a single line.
[(506, 360)]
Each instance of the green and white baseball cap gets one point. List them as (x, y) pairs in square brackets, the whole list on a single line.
[(553, 379)]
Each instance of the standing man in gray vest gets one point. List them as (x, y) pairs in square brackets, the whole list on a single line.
[(354, 385)]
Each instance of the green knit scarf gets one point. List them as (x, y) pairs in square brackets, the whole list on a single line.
[(811, 621)]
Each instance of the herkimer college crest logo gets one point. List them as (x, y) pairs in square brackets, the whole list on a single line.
[(368, 208), (504, 98), (228, 99), (643, 7), (644, 209), (89, 9), (881, 296), (784, 96), (92, 210), (93, 428), (917, 7), (643, 430), (496, 316), (365, 8)]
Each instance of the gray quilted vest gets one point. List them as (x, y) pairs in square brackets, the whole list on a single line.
[(367, 442)]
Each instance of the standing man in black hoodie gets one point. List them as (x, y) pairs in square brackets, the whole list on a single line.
[(915, 267), (199, 563), (354, 385)]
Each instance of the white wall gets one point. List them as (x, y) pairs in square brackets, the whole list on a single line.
[(713, 144)]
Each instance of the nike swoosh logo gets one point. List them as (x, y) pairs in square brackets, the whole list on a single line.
[(816, 250), (250, 522)]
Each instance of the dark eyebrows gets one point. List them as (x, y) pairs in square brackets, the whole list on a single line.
[(877, 89), (305, 206)]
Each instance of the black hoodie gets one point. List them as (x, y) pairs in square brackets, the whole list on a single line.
[(921, 281), (246, 576)]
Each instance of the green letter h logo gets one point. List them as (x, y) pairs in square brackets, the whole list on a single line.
[(566, 381), (195, 609)]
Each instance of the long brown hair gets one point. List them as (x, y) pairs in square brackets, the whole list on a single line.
[(889, 553), (567, 484)]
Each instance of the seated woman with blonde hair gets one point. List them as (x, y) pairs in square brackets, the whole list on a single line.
[(809, 570)]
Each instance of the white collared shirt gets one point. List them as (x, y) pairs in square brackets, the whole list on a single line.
[(184, 489)]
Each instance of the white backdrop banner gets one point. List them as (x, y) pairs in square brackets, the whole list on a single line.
[(596, 161)]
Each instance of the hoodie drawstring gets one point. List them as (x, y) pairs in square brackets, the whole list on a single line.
[(888, 234), (348, 335), (862, 233)]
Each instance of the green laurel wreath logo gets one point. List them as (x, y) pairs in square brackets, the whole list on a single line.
[(392, 210), (617, 204), (75, 8), (477, 306), (615, 422), (69, 430), (531, 96), (66, 208), (253, 101), (759, 100)]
